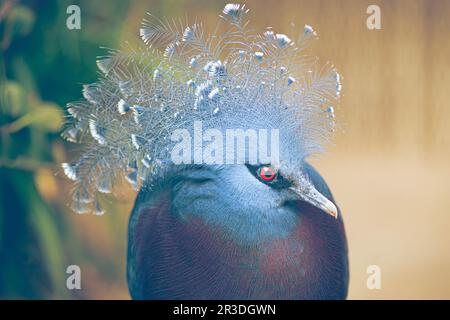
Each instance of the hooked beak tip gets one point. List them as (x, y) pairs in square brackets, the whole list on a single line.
[(333, 212)]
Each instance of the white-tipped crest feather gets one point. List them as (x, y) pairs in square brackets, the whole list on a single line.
[(179, 76)]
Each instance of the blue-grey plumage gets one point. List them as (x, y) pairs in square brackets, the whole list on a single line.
[(245, 229), (217, 232)]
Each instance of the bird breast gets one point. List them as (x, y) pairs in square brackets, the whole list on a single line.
[(188, 259)]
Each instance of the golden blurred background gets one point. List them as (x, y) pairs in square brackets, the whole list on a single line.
[(388, 167)]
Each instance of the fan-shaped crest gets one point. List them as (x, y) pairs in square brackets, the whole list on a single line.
[(180, 75)]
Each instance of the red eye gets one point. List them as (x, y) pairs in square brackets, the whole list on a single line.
[(267, 173)]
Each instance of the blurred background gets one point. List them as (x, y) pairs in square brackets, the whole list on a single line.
[(388, 168)]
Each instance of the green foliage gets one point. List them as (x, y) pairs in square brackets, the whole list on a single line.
[(41, 63), (44, 116), (20, 20), (12, 98)]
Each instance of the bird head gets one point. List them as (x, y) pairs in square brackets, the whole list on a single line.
[(214, 130), (145, 107)]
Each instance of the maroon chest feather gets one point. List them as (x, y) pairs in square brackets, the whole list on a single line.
[(181, 259)]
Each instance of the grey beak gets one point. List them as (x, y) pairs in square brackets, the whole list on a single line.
[(314, 197)]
